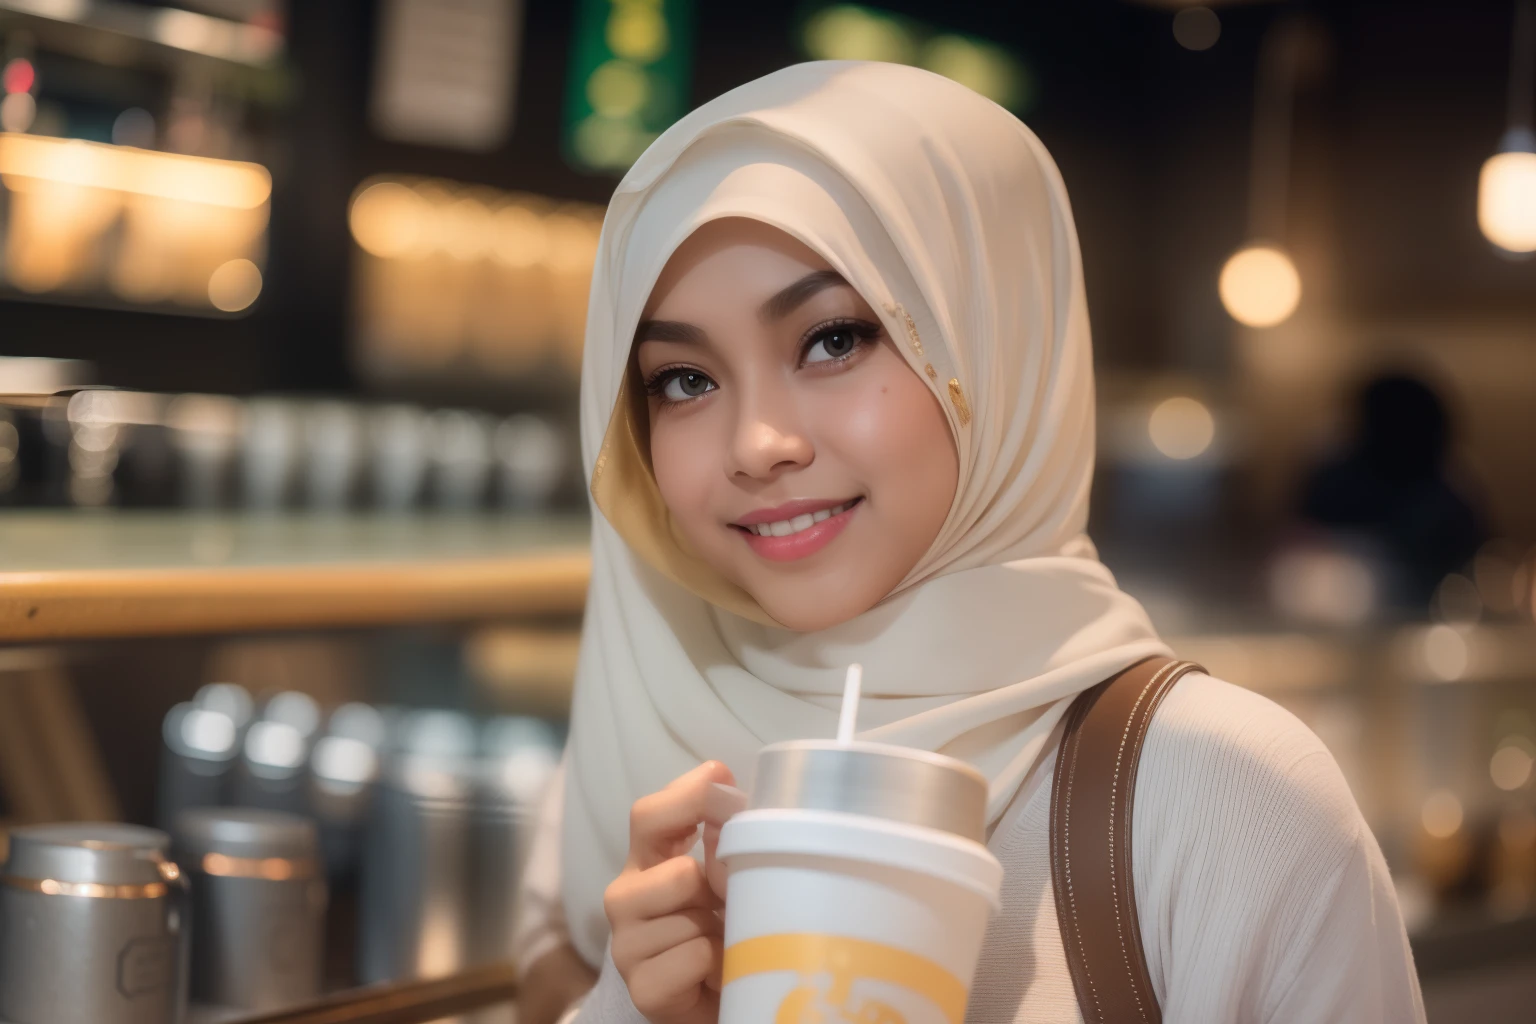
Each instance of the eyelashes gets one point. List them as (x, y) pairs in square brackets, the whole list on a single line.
[(658, 384), (863, 332)]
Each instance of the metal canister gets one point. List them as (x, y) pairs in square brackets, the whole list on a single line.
[(199, 745), (343, 768), (92, 926), (518, 758), (414, 919), (270, 772), (258, 897), (896, 783)]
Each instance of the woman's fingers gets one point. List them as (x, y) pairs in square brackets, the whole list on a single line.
[(646, 939), (714, 868), (671, 985), (721, 803), (671, 886), (665, 824), (663, 908)]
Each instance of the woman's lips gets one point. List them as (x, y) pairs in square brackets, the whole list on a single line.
[(804, 542)]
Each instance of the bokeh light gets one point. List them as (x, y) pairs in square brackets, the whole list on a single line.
[(17, 112), (617, 89), (1196, 28), (134, 127), (1445, 653), (274, 745), (637, 31), (1506, 200), (464, 228), (19, 76), (609, 142), (228, 183), (388, 219), (1441, 814), (1511, 764), (850, 32), (234, 286), (988, 69), (1181, 428), (1259, 286), (1324, 586), (520, 237)]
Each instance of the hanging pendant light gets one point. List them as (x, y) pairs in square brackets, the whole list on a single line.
[(1259, 284), (1506, 188)]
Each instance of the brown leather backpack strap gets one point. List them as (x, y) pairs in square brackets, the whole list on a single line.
[(1091, 804)]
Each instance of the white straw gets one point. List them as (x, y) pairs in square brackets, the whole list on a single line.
[(848, 718)]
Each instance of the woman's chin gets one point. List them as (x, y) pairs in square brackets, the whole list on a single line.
[(810, 609)]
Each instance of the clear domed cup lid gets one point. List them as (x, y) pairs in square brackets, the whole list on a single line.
[(900, 784)]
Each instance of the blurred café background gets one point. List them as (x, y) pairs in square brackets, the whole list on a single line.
[(291, 311)]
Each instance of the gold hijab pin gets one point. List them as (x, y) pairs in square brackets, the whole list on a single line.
[(956, 392)]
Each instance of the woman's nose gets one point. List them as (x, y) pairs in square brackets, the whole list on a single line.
[(764, 448)]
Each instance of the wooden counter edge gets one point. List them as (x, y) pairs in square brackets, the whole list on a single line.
[(166, 602), (406, 1002)]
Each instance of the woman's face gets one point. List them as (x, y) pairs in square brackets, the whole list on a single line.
[(798, 453)]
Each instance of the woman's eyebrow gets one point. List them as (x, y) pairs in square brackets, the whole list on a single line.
[(787, 300), (668, 330)]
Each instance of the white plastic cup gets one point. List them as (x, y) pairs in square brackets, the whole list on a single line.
[(835, 916)]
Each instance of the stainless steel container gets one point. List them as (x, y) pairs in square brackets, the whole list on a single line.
[(343, 770), (258, 896), (270, 774), (897, 783), (414, 920), (518, 758), (199, 746), (92, 927)]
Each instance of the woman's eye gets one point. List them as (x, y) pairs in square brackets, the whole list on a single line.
[(832, 344), (684, 386)]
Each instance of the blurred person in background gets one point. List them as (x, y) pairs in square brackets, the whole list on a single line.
[(1394, 490), (838, 406)]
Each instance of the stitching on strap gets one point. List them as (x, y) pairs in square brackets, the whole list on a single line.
[(1066, 834), (1114, 880)]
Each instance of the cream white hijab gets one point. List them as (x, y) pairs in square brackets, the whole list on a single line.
[(950, 218)]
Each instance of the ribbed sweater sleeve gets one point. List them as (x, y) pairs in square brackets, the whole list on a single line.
[(1262, 895)]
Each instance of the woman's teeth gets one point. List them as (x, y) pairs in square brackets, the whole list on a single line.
[(785, 527)]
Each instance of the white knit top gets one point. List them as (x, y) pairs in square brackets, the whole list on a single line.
[(1262, 894)]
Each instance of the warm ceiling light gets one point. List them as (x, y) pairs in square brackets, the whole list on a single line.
[(389, 219), (229, 183), (1506, 194), (1181, 428), (1259, 286)]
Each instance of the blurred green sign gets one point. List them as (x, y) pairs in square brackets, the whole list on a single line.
[(628, 81), (856, 32)]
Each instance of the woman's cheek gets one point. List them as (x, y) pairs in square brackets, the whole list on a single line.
[(686, 463), (893, 434)]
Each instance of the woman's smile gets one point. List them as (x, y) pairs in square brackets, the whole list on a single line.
[(796, 529)]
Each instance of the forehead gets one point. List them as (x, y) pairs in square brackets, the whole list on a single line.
[(732, 261)]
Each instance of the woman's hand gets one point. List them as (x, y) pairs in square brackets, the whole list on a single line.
[(665, 908)]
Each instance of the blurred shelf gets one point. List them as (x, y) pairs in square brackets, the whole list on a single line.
[(1470, 940), (111, 574)]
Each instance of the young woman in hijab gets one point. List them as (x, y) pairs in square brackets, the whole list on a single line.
[(837, 406)]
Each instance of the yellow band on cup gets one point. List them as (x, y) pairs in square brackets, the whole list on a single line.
[(847, 960)]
